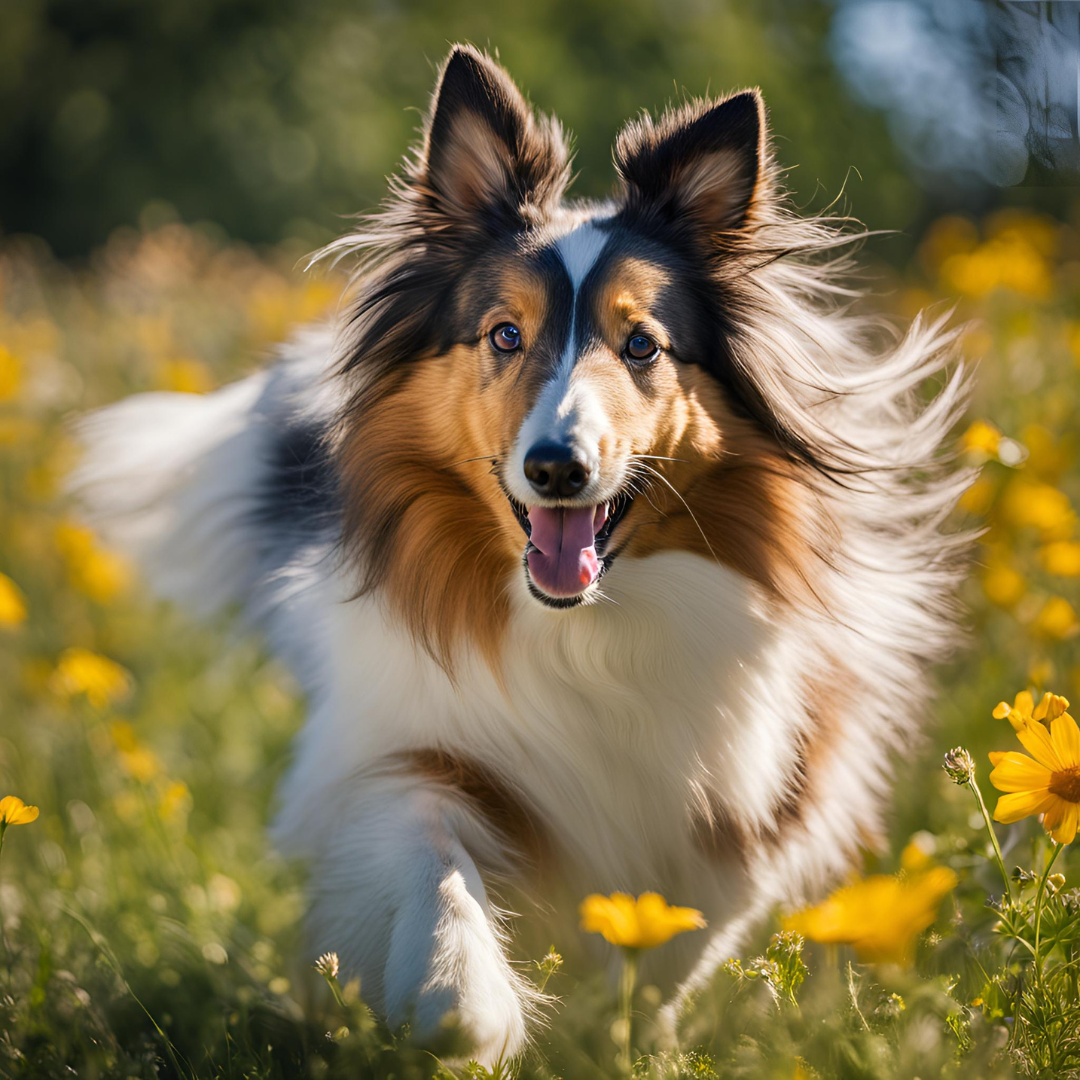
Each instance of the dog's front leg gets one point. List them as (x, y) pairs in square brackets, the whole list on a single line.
[(398, 896)]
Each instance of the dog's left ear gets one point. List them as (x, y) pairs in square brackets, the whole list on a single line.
[(702, 165)]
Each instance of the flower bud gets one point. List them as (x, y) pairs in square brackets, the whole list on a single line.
[(959, 766)]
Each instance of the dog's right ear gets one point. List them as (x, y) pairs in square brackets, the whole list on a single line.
[(488, 162)]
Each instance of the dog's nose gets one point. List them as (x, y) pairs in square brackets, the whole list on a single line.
[(555, 471)]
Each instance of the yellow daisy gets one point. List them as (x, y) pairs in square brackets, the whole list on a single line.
[(12, 603), (13, 811), (879, 916), (1046, 783), (643, 923), (81, 671), (1023, 709)]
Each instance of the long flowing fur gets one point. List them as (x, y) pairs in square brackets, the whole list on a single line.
[(727, 744)]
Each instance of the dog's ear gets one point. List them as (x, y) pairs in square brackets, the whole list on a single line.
[(488, 161), (701, 165)]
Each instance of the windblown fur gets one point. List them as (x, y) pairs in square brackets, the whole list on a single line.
[(714, 716)]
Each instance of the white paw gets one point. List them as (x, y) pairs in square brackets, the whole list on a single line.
[(444, 961)]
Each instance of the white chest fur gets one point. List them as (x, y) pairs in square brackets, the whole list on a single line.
[(606, 717)]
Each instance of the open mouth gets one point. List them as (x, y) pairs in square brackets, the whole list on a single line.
[(569, 547)]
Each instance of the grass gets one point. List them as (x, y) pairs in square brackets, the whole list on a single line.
[(149, 930)]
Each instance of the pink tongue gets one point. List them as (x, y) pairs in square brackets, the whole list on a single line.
[(562, 559)]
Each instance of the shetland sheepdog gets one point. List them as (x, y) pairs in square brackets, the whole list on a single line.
[(606, 540)]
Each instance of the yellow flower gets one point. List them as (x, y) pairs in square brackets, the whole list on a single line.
[(1061, 558), (83, 672), (1057, 620), (981, 439), (915, 858), (10, 374), (1047, 457), (186, 377), (12, 603), (13, 811), (174, 799), (1033, 504), (880, 916), (978, 498), (97, 573), (1023, 709), (1046, 783), (1002, 583), (643, 923), (139, 762)]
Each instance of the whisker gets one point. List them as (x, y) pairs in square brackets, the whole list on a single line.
[(693, 517), (656, 457)]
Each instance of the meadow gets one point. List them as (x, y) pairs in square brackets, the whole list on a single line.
[(148, 929)]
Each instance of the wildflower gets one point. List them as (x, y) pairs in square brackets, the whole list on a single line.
[(1046, 783), (12, 603), (981, 439), (186, 377), (643, 923), (138, 761), (328, 965), (1047, 457), (1024, 710), (978, 498), (1057, 620), (959, 766), (10, 374), (879, 915), (13, 811), (1061, 558), (95, 572), (1031, 503), (633, 925), (173, 799), (1003, 584), (81, 671)]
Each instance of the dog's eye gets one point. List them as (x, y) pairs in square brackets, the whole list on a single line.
[(506, 338), (641, 349)]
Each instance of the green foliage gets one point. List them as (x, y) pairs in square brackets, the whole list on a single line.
[(273, 118)]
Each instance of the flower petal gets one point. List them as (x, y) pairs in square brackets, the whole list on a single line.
[(13, 811), (1023, 804), (1064, 831), (1037, 742), (1018, 772), (1065, 736)]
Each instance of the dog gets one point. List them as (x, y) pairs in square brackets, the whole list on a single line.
[(607, 540)]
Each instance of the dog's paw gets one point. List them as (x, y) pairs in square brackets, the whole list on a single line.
[(446, 966)]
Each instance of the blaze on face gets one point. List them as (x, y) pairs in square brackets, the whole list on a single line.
[(547, 387)]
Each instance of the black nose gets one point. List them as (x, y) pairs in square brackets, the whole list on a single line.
[(555, 471)]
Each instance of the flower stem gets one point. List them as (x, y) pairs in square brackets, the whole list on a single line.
[(1039, 910), (993, 836), (627, 982)]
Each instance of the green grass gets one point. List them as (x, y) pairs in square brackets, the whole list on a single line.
[(149, 929)]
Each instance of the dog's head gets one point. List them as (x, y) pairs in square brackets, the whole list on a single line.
[(542, 388)]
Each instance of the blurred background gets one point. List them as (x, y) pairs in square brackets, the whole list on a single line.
[(165, 166), (267, 120)]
